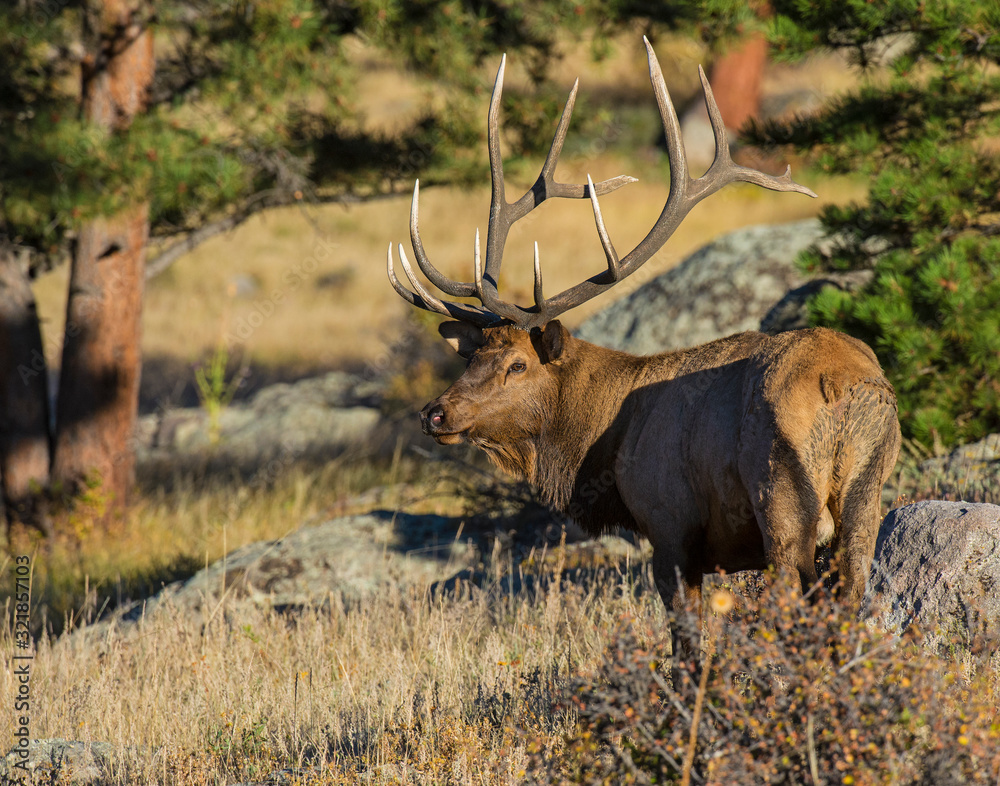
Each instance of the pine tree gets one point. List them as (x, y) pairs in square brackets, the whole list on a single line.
[(925, 136)]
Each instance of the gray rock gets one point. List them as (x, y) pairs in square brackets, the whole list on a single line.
[(726, 287), (55, 761), (314, 417), (747, 280), (340, 562), (969, 472), (345, 561), (791, 312), (937, 564), (348, 559), (965, 462)]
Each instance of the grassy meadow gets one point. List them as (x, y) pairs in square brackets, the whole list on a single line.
[(472, 687), (409, 688)]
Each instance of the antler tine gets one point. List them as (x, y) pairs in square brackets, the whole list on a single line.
[(723, 171), (546, 186), (402, 291), (477, 268), (422, 292), (614, 269), (499, 223), (547, 174), (539, 297), (425, 300), (438, 279), (676, 154), (722, 155), (504, 214)]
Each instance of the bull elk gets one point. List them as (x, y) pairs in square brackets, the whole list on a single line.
[(747, 452)]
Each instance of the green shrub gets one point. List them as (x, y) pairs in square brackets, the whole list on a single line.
[(934, 318)]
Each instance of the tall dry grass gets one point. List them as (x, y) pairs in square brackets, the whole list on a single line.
[(407, 688), (479, 687), (187, 523)]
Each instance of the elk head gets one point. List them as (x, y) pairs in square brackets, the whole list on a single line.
[(508, 390), (515, 353)]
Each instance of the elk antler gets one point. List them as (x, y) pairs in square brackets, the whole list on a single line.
[(685, 193)]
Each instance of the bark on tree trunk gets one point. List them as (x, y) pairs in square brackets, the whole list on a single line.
[(24, 400), (101, 363), (99, 380), (736, 81)]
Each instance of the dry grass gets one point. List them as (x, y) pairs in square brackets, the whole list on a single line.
[(406, 689), (476, 688), (174, 530)]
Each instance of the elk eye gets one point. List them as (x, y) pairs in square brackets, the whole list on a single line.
[(516, 368)]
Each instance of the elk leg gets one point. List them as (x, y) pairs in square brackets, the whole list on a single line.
[(860, 517), (680, 589), (875, 435), (788, 513)]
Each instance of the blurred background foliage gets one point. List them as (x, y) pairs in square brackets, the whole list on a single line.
[(253, 105)]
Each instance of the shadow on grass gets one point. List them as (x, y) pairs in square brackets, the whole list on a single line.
[(64, 598)]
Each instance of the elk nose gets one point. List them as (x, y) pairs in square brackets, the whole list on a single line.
[(432, 418)]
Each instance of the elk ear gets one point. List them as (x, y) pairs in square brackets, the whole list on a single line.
[(553, 340), (463, 337)]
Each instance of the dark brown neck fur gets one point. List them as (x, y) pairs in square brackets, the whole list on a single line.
[(572, 462)]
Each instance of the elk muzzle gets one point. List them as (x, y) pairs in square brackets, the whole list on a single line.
[(438, 422)]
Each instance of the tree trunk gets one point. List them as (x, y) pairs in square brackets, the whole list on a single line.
[(101, 362), (24, 399), (736, 81), (99, 380)]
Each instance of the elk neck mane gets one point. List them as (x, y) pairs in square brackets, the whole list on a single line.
[(571, 461)]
